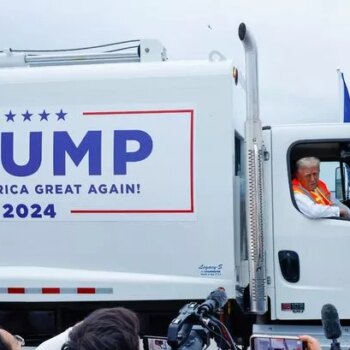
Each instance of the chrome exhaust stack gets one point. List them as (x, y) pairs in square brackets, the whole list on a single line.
[(254, 173)]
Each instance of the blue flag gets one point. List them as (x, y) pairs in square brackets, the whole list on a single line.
[(346, 102)]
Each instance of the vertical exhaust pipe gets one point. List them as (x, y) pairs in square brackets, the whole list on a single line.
[(254, 187), (251, 71)]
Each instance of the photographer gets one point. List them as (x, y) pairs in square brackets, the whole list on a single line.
[(104, 329), (9, 341)]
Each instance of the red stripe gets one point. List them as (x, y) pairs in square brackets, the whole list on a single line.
[(16, 290), (112, 211), (191, 162), (139, 112), (50, 290), (86, 290)]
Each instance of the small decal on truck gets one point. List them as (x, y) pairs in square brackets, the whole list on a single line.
[(293, 307), (210, 270)]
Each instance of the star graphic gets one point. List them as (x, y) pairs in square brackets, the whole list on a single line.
[(44, 115), (10, 116), (61, 115), (26, 116)]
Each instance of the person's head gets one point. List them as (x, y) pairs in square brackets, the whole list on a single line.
[(308, 172), (106, 329), (9, 341)]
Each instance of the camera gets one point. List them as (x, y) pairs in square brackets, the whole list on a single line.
[(196, 324)]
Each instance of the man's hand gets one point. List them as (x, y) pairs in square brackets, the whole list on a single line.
[(343, 213), (311, 343), (9, 340)]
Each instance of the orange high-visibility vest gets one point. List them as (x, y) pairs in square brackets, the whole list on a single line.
[(320, 195)]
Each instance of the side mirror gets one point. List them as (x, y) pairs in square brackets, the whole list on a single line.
[(342, 182)]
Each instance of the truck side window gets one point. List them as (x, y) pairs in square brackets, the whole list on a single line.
[(319, 173), (335, 175)]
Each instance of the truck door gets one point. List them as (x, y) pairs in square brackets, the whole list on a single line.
[(310, 256)]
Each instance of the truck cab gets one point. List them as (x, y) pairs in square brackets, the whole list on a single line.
[(307, 267)]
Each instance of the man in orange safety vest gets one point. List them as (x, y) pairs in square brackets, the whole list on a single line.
[(312, 195)]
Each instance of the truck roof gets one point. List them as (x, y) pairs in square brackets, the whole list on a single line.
[(112, 70)]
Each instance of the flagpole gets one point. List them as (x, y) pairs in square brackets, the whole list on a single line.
[(341, 96)]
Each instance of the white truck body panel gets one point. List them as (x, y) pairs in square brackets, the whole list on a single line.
[(141, 245), (42, 284)]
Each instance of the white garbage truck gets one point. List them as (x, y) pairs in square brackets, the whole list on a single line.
[(128, 179)]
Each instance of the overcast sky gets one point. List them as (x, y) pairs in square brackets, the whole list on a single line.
[(300, 43)]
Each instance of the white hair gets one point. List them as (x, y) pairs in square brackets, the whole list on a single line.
[(307, 162)]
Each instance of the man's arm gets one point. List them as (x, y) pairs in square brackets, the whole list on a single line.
[(344, 210), (313, 210)]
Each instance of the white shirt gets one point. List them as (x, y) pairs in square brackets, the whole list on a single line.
[(314, 211)]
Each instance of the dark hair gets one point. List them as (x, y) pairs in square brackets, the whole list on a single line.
[(106, 329)]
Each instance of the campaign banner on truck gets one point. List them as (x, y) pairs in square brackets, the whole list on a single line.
[(64, 163)]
